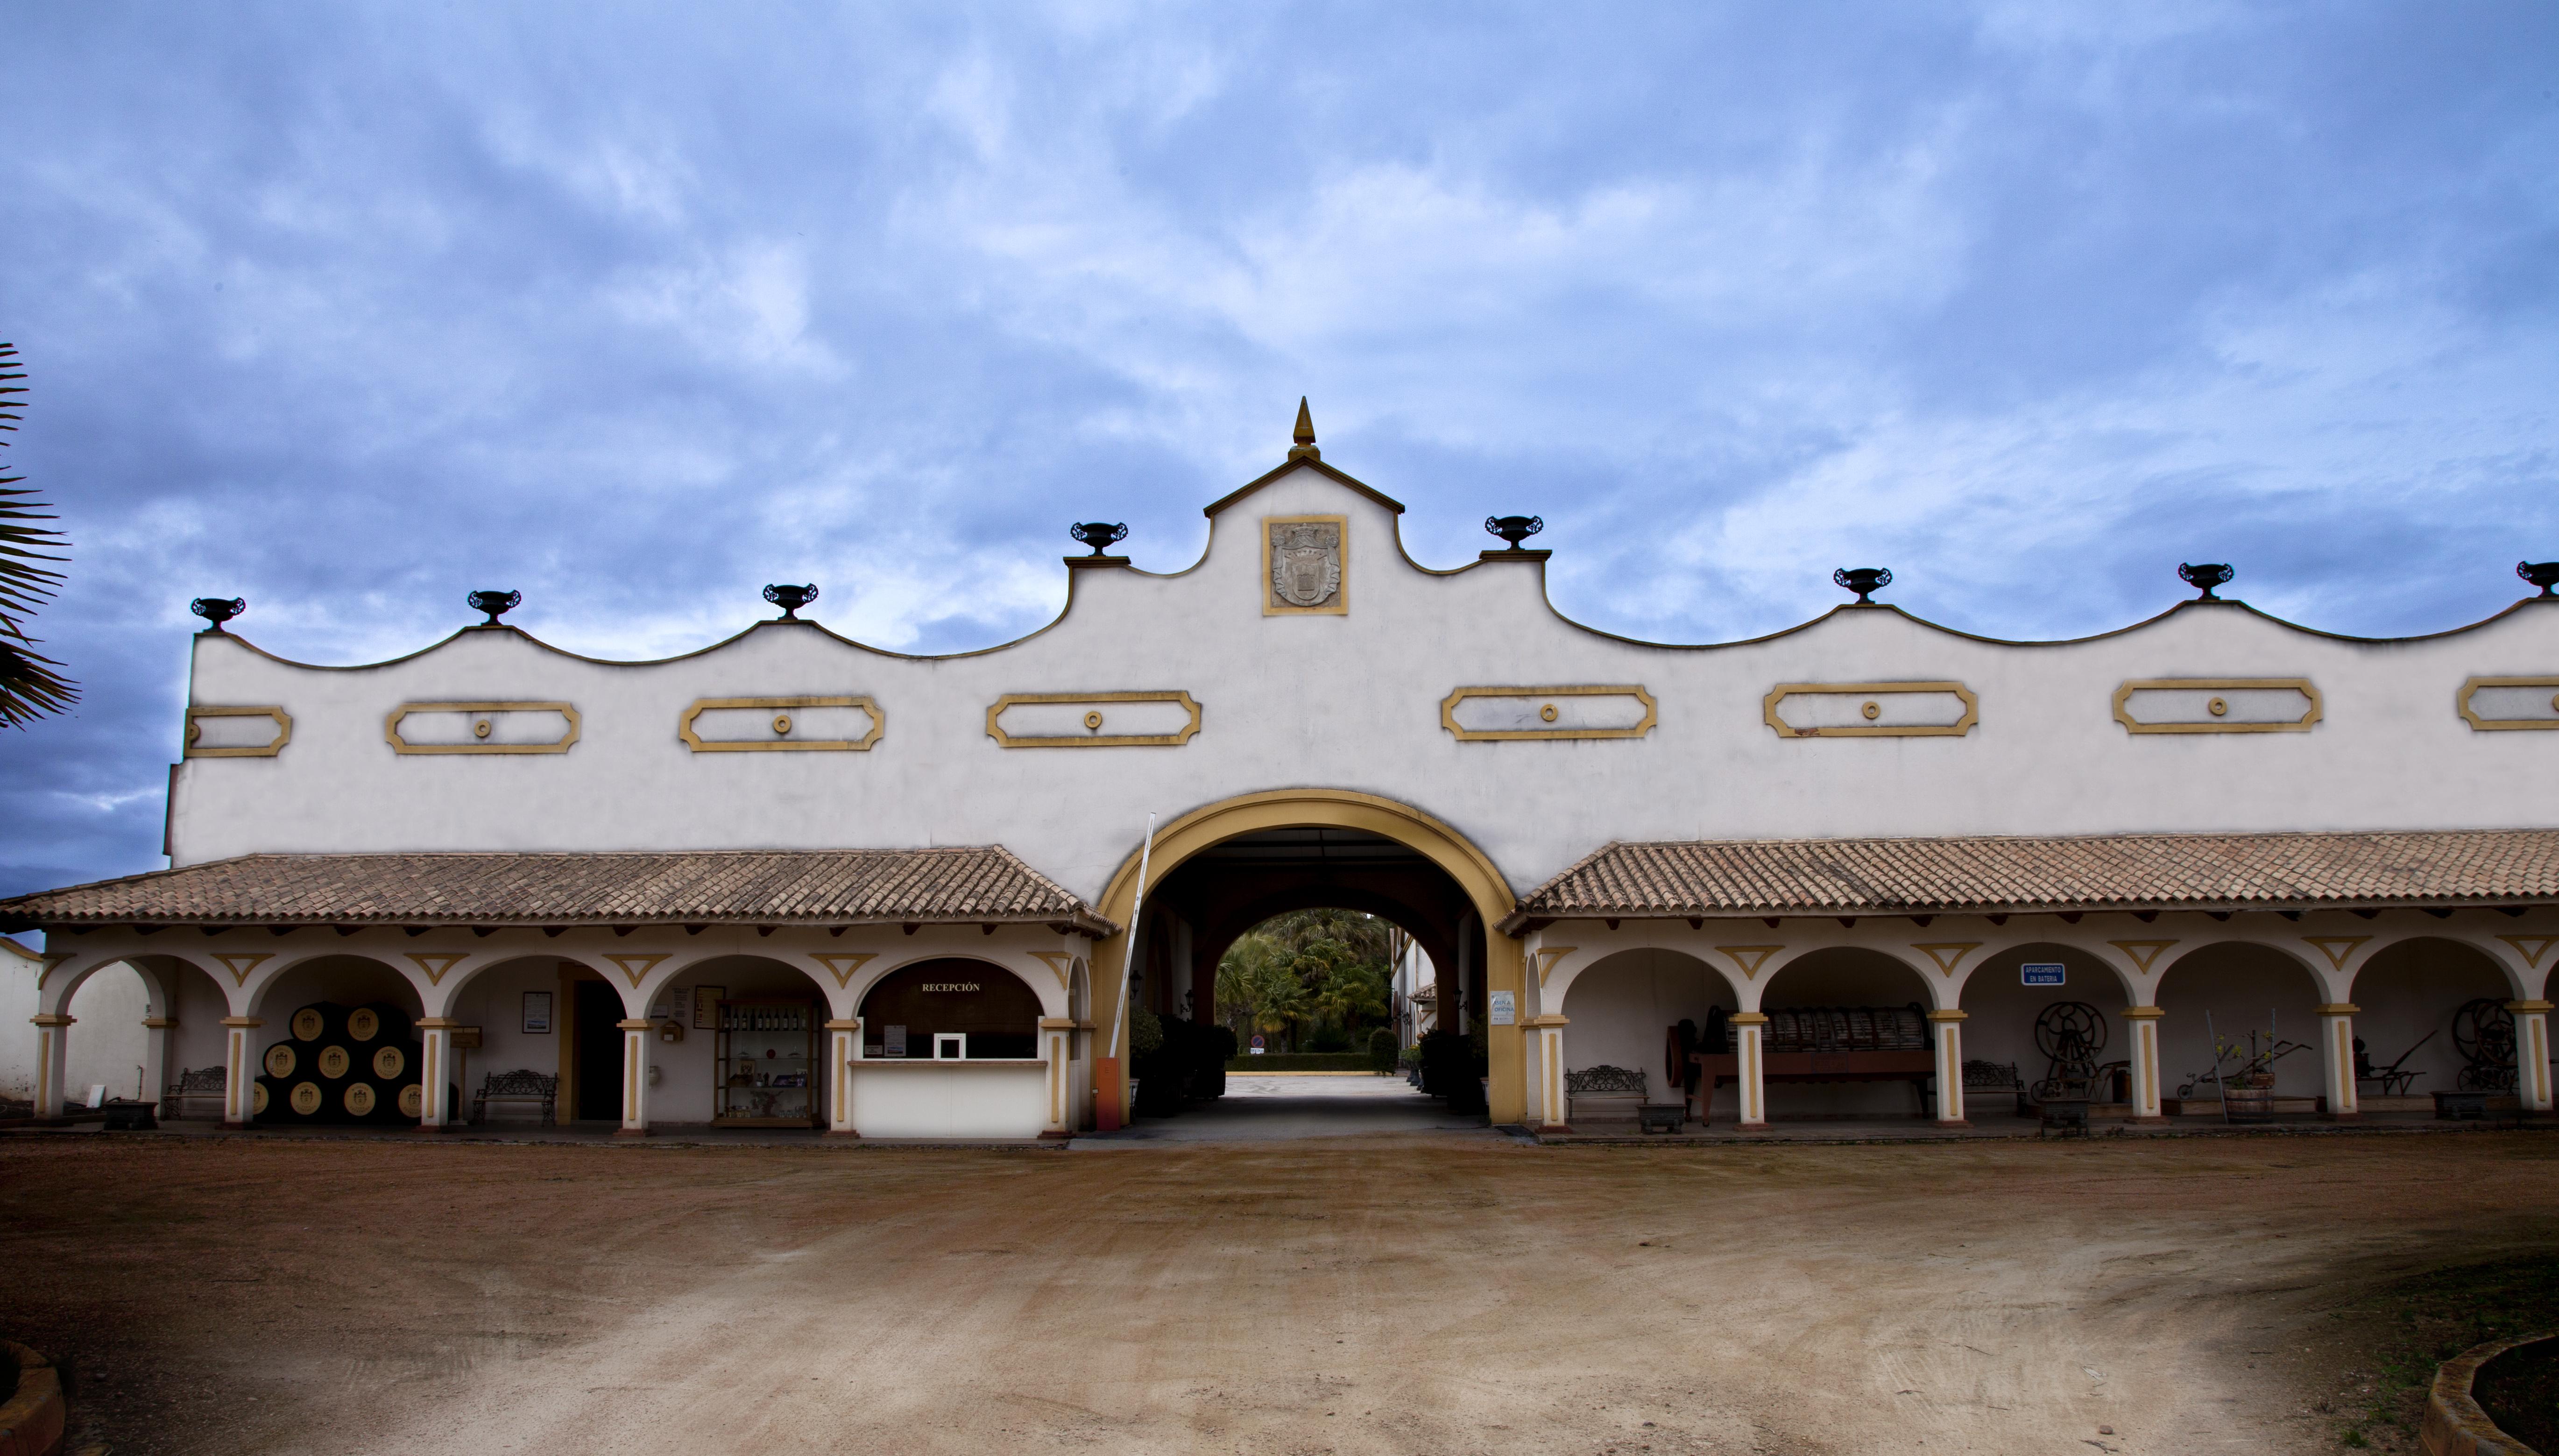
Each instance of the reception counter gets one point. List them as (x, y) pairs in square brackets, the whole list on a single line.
[(920, 1098)]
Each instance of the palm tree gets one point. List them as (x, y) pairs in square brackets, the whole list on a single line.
[(29, 685)]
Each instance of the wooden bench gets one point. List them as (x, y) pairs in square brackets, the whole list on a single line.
[(196, 1085), (518, 1087)]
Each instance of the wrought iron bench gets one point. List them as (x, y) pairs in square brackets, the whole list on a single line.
[(194, 1085), (521, 1085), (1620, 1090)]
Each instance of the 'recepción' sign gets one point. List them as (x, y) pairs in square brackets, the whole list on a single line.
[(949, 986)]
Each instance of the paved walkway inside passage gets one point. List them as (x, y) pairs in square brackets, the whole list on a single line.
[(1409, 1294), (1268, 1109)]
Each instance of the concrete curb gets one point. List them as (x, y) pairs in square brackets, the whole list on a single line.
[(2455, 1424), (33, 1422)]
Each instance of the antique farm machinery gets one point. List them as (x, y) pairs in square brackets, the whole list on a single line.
[(2483, 1034)]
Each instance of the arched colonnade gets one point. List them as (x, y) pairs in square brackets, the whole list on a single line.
[(2157, 976), (446, 976)]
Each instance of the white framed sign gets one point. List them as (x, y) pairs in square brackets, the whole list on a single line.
[(537, 1013), (1505, 1008)]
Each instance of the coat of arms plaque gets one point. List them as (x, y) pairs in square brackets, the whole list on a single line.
[(1304, 554)]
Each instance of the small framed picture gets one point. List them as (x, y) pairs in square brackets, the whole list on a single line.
[(707, 1001), (537, 1013)]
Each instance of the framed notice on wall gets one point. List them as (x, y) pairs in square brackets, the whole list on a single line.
[(537, 1013), (707, 1001)]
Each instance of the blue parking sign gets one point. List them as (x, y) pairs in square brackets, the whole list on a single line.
[(2040, 975)]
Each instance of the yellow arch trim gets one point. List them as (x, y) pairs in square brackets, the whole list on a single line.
[(1341, 808)]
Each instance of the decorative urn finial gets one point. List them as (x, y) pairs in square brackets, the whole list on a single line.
[(496, 604), (2204, 577), (1304, 449), (1514, 529), (1101, 536), (217, 610), (2543, 574), (1866, 581), (791, 599)]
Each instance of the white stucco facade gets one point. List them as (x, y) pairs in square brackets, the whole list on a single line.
[(1487, 730), (2390, 747)]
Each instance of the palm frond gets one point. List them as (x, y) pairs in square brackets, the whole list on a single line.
[(29, 685), (30, 688)]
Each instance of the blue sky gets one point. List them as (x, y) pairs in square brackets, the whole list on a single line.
[(349, 309)]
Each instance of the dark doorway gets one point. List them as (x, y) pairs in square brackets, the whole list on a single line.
[(599, 1052)]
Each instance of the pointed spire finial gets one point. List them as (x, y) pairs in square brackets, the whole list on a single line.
[(1304, 449)]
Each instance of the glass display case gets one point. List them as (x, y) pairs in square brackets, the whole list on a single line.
[(767, 1050)]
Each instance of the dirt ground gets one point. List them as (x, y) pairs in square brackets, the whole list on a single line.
[(1422, 1293)]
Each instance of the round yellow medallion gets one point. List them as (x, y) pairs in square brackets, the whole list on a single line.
[(1873, 711), (334, 1062), (258, 1100), (1093, 721), (480, 729), (1547, 714), (782, 724), (412, 1101), (306, 1097), (359, 1099), (363, 1023), (280, 1060), (390, 1063), (2216, 707), (308, 1024)]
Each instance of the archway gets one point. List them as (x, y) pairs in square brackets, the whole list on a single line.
[(339, 1044), (1619, 1008), (2228, 990), (1878, 1000), (2000, 1012), (519, 1011), (2407, 997), (1370, 846), (741, 1042), (113, 1046)]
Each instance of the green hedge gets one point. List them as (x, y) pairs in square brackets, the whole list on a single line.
[(1300, 1061)]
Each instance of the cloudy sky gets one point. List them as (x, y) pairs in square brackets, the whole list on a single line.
[(348, 309)]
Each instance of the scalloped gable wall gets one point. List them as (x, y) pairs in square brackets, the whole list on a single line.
[(1352, 703)]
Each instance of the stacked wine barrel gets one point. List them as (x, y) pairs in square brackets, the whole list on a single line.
[(342, 1065)]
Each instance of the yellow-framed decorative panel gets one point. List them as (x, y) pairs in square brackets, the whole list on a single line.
[(2513, 703), (2219, 705), (1083, 717), (1871, 709), (492, 727), (788, 717), (196, 748), (1579, 711)]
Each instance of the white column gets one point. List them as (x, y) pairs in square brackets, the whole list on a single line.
[(52, 1030), (239, 1071), (1553, 1107), (2144, 1056), (1948, 1026), (1057, 1045), (1751, 1094), (2533, 1053), (435, 1074), (844, 1048), (2336, 1050), (635, 1077)]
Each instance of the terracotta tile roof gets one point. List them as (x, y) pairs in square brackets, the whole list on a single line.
[(1734, 877), (982, 884)]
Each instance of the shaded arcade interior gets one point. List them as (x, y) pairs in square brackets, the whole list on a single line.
[(1200, 907)]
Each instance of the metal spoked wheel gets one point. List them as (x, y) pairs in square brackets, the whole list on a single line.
[(2070, 1031), (2484, 1033)]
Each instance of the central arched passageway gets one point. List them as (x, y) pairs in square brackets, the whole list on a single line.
[(1220, 872)]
